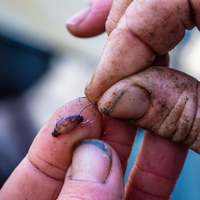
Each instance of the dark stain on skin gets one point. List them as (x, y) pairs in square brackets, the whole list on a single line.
[(98, 144), (113, 104)]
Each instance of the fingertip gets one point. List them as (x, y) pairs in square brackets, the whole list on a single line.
[(91, 20), (48, 158), (53, 155), (96, 169)]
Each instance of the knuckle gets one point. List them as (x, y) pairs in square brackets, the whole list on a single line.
[(168, 22), (176, 107), (177, 123)]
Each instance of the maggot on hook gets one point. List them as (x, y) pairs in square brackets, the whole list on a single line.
[(68, 123)]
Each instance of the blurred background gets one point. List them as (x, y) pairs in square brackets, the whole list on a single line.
[(42, 67)]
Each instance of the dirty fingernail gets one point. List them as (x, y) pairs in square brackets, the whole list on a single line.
[(91, 161), (132, 102), (78, 17)]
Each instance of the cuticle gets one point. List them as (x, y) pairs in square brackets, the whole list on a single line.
[(101, 145)]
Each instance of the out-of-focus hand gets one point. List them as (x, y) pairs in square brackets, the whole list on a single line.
[(77, 165)]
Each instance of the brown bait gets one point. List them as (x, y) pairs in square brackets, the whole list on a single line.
[(68, 123)]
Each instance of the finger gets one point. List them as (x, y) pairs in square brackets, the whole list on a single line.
[(148, 160), (147, 29), (120, 136), (157, 169), (95, 173), (159, 99), (91, 20), (117, 11), (41, 174)]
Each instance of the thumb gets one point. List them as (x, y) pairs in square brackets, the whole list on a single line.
[(161, 100), (91, 20), (89, 176), (147, 29)]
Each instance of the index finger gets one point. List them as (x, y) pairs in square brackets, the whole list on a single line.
[(41, 173), (147, 29)]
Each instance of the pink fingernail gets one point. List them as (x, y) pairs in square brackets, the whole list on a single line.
[(132, 102), (91, 161), (79, 17)]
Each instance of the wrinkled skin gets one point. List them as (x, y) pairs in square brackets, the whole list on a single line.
[(173, 110), (141, 33), (44, 173), (146, 29)]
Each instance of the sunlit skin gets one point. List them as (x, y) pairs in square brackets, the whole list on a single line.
[(171, 111), (141, 32)]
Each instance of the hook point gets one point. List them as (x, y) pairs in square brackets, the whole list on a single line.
[(85, 121)]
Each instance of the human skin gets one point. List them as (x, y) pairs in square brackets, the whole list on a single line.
[(158, 165), (171, 104), (141, 33), (146, 29), (45, 173)]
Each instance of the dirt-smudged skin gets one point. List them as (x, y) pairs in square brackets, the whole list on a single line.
[(144, 30), (174, 110), (66, 124)]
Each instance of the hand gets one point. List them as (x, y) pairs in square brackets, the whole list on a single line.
[(97, 167), (140, 35), (140, 32)]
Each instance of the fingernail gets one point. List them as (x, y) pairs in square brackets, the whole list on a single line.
[(78, 17), (132, 102), (91, 161)]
